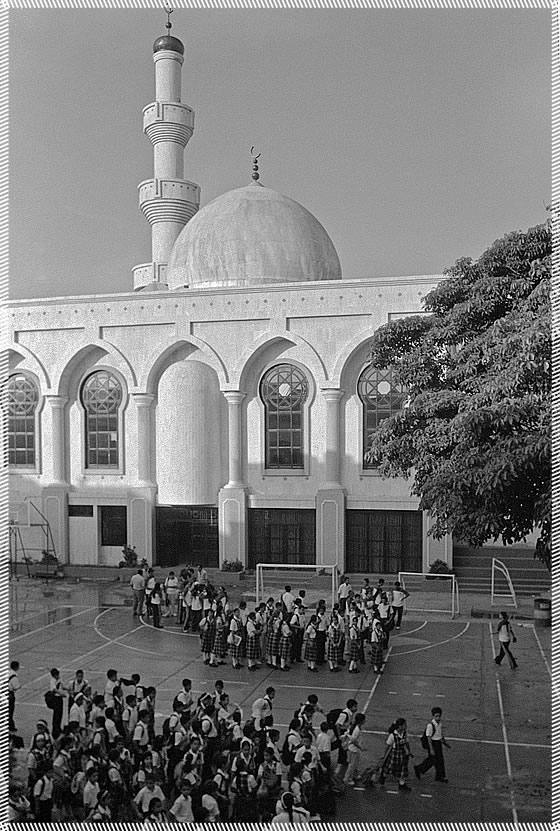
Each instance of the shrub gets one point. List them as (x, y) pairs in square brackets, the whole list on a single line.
[(130, 557), (440, 567), (232, 565)]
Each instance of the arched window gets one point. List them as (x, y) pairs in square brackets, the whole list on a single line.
[(284, 390), (23, 397), (101, 398), (381, 397)]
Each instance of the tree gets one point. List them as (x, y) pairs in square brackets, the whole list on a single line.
[(475, 433)]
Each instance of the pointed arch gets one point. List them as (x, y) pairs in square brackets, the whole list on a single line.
[(307, 355), (95, 350), (32, 364), (158, 360), (357, 342)]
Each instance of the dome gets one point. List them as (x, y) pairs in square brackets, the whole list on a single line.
[(169, 42), (251, 236)]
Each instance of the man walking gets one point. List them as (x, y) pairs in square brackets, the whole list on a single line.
[(13, 687), (505, 637), (137, 585), (397, 602), (433, 741)]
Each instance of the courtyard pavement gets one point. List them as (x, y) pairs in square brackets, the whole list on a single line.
[(497, 720)]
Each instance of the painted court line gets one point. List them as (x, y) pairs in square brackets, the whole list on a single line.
[(47, 612), (543, 656), (81, 657), (470, 741), (48, 626), (375, 683), (504, 733), (432, 645)]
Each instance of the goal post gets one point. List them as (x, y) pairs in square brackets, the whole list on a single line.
[(319, 581), (430, 592)]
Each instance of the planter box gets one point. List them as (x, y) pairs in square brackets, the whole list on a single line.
[(227, 578)]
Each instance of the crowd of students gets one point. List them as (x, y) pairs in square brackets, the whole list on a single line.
[(277, 632), (208, 762)]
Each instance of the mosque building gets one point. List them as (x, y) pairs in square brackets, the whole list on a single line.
[(220, 410)]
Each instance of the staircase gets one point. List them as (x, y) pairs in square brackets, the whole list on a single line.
[(473, 569)]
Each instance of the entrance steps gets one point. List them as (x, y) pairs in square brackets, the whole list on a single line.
[(473, 569)]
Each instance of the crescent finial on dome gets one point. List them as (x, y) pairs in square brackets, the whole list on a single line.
[(256, 158)]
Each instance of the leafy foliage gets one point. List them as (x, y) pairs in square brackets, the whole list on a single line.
[(475, 434)]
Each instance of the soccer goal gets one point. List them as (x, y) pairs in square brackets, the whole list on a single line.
[(318, 581), (430, 592)]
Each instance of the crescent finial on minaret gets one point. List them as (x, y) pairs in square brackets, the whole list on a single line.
[(169, 12)]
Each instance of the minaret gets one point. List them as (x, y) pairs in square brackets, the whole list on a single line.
[(167, 201)]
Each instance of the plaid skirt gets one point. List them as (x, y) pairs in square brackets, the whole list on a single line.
[(310, 649), (275, 643), (376, 656), (286, 646), (397, 761), (207, 638), (334, 651), (219, 648), (354, 649), (253, 648), (235, 652)]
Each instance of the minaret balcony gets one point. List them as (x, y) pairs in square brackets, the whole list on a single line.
[(168, 122), (168, 200)]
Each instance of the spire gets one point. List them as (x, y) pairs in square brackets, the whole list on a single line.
[(167, 200)]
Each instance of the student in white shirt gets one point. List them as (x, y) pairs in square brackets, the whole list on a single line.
[(289, 813), (181, 810), (355, 748), (397, 602)]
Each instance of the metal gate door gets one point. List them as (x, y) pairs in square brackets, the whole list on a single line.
[(281, 536), (187, 534), (383, 542)]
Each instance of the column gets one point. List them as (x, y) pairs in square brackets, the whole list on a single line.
[(143, 401), (332, 438), (57, 405), (234, 399)]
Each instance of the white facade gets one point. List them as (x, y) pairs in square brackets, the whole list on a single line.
[(190, 428)]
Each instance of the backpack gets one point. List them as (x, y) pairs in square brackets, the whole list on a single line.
[(165, 730), (287, 755), (424, 741), (332, 716), (50, 699)]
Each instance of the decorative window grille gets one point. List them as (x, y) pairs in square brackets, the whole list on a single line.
[(22, 400), (381, 397), (101, 397), (284, 390)]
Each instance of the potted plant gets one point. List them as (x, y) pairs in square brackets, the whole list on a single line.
[(130, 557), (234, 570)]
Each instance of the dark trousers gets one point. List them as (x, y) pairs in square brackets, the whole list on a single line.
[(11, 707), (44, 810), (435, 758), (155, 613), (398, 614), (57, 716), (297, 642), (195, 618), (505, 650)]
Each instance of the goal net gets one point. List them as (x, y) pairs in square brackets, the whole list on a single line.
[(319, 582), (430, 592)]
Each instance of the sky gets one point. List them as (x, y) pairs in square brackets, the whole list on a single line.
[(416, 137)]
